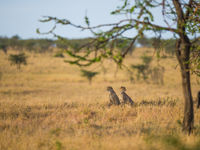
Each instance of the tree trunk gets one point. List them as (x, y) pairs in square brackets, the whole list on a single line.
[(183, 55), (198, 100), (188, 119)]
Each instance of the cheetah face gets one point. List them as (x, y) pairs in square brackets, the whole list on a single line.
[(109, 88), (122, 88)]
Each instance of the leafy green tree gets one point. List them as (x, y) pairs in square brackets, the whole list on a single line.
[(88, 74), (181, 18), (18, 59)]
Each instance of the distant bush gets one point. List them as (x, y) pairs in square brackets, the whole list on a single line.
[(18, 59), (146, 59), (59, 54), (144, 41), (143, 69), (157, 74), (169, 46), (88, 74), (164, 57), (3, 47), (44, 45)]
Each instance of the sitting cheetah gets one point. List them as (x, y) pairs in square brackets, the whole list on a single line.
[(114, 99), (126, 99)]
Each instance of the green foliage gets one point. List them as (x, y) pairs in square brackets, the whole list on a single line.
[(123, 44), (79, 59), (195, 59), (87, 20), (74, 44), (18, 59), (88, 74), (139, 19)]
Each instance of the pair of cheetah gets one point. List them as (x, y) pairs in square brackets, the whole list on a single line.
[(114, 99)]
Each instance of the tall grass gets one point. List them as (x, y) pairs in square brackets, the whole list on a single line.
[(48, 105)]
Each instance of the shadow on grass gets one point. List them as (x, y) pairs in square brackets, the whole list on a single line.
[(172, 142), (160, 102)]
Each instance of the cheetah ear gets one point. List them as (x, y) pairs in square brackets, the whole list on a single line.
[(123, 88)]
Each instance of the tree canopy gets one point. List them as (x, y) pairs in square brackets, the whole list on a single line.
[(138, 19)]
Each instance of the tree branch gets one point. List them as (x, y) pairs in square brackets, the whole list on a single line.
[(156, 26), (66, 22), (188, 9), (130, 46), (179, 9)]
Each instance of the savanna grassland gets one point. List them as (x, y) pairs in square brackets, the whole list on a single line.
[(47, 105)]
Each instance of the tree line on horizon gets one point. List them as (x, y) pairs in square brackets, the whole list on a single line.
[(47, 45)]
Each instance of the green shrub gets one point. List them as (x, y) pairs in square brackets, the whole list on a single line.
[(59, 54), (18, 59), (88, 74)]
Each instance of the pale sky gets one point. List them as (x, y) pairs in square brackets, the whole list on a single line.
[(21, 16)]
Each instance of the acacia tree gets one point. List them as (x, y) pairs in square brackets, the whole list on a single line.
[(88, 74), (180, 17), (18, 59)]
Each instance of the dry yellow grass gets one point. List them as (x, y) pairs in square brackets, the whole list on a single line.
[(48, 105)]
